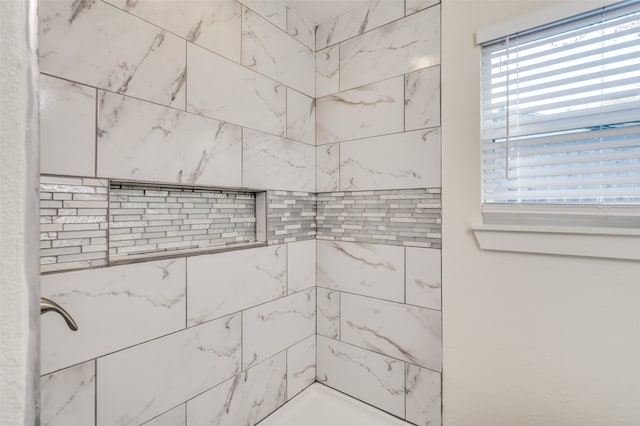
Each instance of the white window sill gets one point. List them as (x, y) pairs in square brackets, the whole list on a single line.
[(613, 243)]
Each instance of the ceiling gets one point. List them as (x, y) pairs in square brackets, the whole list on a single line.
[(319, 11)]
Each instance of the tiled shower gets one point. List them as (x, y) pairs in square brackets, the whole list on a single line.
[(235, 205)]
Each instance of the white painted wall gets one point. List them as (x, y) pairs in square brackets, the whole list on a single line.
[(528, 339), (19, 280)]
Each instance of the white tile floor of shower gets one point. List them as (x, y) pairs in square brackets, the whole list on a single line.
[(319, 405)]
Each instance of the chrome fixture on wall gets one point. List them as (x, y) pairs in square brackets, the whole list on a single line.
[(47, 305)]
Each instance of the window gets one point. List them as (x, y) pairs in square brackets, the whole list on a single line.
[(561, 115)]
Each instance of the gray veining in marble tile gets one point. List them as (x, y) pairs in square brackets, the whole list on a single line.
[(67, 397), (402, 160), (274, 326), (327, 71), (424, 283), (403, 46), (328, 167), (422, 99), (301, 366), (222, 283), (221, 89), (154, 291), (67, 127), (370, 110), (357, 21), (301, 265), (245, 399), (328, 311), (369, 269), (214, 25), (174, 417), (96, 44), (391, 328), (144, 141), (176, 368), (301, 117), (413, 6), (272, 162), (269, 51), (299, 29), (375, 379), (424, 401), (274, 11)]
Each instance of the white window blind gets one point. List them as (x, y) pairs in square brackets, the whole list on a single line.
[(561, 112)]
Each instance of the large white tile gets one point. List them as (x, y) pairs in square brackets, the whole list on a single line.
[(245, 399), (358, 20), (274, 11), (328, 168), (327, 71), (300, 29), (328, 311), (114, 308), (67, 397), (320, 405), (403, 46), (372, 378), (221, 89), (142, 382), (301, 265), (413, 6), (392, 328), (143, 141), (67, 127), (424, 282), (368, 269), (174, 417), (270, 51), (402, 160), (371, 110), (93, 43), (422, 99), (222, 283), (214, 25), (272, 162), (301, 117), (301, 366), (272, 327), (424, 401)]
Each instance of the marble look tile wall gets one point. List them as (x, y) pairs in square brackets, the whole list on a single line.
[(376, 339), (143, 141), (358, 21), (67, 397), (214, 25), (158, 337), (274, 53), (397, 48), (141, 60), (370, 110), (67, 127), (273, 162)]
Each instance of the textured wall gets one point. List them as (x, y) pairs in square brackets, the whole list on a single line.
[(379, 210), (179, 93), (529, 339), (18, 213)]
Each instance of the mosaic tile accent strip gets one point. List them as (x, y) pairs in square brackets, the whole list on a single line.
[(149, 219), (291, 216), (73, 222), (403, 217)]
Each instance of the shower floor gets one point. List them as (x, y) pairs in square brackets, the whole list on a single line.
[(319, 405)]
